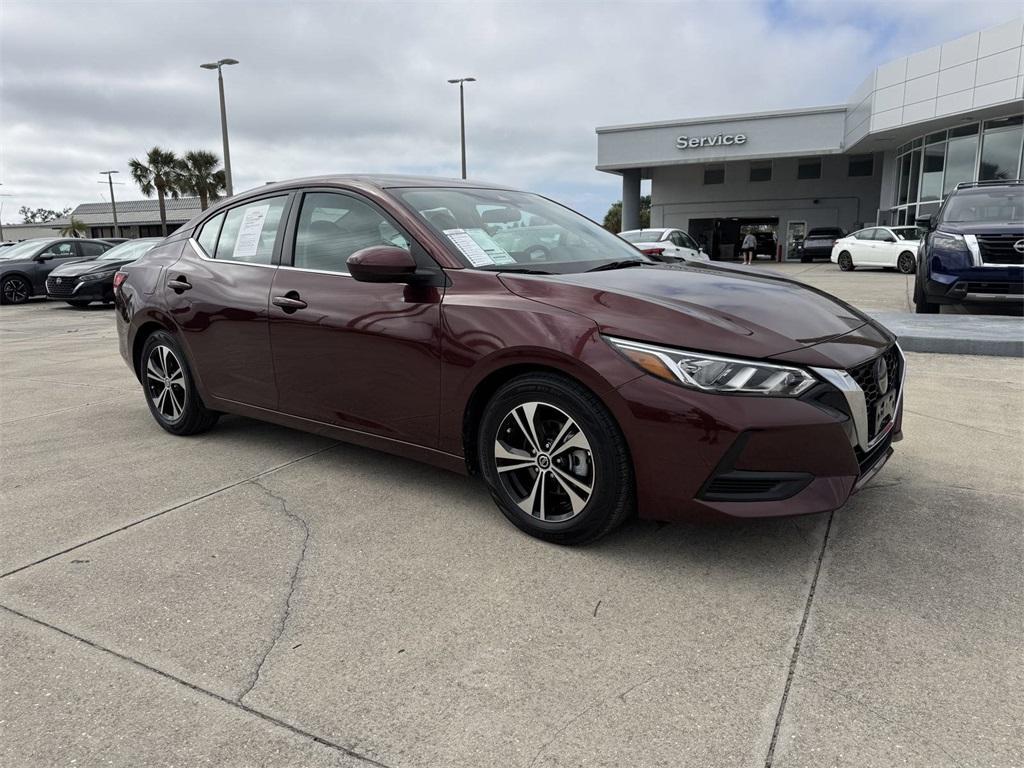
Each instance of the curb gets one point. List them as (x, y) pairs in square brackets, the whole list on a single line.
[(956, 334)]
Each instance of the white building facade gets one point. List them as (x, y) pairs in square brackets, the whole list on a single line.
[(915, 128)]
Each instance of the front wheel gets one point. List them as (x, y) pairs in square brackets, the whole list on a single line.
[(555, 460), (15, 290), (906, 263), (921, 304), (170, 389), (846, 262)]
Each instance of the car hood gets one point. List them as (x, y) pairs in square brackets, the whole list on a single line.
[(699, 307), (979, 228), (84, 267)]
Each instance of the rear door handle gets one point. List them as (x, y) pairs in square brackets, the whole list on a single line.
[(179, 284), (289, 302)]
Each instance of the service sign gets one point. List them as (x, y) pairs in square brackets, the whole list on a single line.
[(719, 140)]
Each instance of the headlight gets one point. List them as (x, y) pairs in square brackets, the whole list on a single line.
[(98, 276), (712, 373), (953, 241)]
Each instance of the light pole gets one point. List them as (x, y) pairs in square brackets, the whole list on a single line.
[(462, 115), (223, 119), (113, 208)]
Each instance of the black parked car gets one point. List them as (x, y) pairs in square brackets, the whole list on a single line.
[(82, 282), (818, 243), (24, 267), (974, 249)]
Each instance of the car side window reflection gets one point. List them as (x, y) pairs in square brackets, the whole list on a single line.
[(250, 231), (332, 227), (208, 235)]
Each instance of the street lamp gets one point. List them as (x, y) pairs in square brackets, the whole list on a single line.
[(113, 208), (462, 115), (223, 119)]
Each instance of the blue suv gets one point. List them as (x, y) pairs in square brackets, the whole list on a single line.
[(974, 249)]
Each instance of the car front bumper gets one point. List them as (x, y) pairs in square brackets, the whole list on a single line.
[(700, 455), (91, 290), (976, 285)]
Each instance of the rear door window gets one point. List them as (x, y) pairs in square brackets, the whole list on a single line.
[(91, 250), (250, 231), (209, 233)]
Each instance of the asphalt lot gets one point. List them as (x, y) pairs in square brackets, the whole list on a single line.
[(258, 596)]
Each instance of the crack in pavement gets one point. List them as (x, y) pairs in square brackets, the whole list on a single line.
[(123, 395), (198, 689), (292, 584), (959, 424), (770, 757), (193, 500)]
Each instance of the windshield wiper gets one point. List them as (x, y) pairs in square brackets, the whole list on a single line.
[(622, 264), (518, 270)]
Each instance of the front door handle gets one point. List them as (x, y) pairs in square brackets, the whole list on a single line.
[(289, 302), (179, 284)]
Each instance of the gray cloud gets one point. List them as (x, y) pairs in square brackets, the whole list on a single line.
[(345, 86)]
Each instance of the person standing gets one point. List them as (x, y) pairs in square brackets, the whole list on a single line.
[(748, 247)]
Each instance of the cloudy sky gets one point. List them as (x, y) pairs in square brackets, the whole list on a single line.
[(360, 86)]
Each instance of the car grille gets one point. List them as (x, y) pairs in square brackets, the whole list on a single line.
[(866, 459), (62, 289), (864, 375), (998, 249)]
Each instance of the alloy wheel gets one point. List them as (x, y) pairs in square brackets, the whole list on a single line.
[(165, 382), (845, 261), (15, 290), (544, 462), (906, 264)]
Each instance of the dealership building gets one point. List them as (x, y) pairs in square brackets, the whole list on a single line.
[(913, 130)]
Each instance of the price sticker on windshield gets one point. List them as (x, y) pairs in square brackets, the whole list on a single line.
[(479, 247)]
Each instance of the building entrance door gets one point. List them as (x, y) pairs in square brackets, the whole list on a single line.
[(796, 231)]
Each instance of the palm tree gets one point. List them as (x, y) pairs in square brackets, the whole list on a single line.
[(160, 173), (199, 175), (73, 227)]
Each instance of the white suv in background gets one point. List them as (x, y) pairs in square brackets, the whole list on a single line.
[(878, 247), (665, 244)]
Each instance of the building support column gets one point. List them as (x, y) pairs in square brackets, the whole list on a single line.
[(631, 199)]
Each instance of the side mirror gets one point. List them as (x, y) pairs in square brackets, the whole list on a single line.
[(925, 221), (382, 264), (44, 257)]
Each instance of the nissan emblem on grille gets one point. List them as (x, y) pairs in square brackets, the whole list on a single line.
[(59, 280), (1019, 246), (882, 375)]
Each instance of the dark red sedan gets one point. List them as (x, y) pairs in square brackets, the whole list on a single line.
[(495, 332)]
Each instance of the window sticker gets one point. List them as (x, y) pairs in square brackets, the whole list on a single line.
[(477, 246), (248, 242)]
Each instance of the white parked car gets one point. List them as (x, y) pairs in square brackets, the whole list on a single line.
[(878, 247), (665, 244)]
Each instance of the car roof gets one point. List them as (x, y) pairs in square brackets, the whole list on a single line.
[(379, 181), (648, 229)]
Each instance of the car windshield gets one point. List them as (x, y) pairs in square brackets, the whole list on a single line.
[(997, 206), (21, 250), (907, 233), (129, 251), (515, 231), (642, 235)]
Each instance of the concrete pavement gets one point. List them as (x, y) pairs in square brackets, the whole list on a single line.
[(257, 596)]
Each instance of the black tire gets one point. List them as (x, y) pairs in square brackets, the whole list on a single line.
[(79, 303), (604, 463), (906, 263), (921, 304), (846, 262), (15, 290), (181, 411)]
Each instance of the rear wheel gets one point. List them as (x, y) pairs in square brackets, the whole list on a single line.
[(555, 460), (170, 390), (15, 290), (846, 262), (906, 263)]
